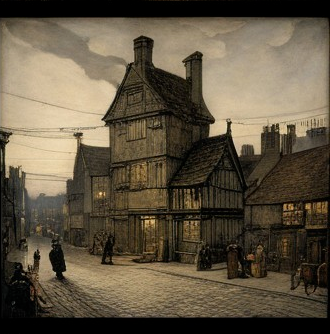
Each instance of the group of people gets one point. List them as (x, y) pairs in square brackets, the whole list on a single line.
[(239, 265)]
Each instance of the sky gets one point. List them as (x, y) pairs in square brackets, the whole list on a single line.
[(60, 75)]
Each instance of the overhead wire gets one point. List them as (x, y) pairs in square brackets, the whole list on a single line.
[(41, 149), (51, 104)]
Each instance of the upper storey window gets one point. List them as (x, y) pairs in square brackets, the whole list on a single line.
[(136, 129), (134, 97)]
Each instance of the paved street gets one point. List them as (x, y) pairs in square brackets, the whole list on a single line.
[(130, 289)]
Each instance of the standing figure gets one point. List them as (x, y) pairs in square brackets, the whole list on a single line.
[(201, 261), (108, 250), (232, 260), (258, 268), (208, 257), (56, 258), (36, 261)]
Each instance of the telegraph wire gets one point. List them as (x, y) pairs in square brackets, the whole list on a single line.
[(280, 122), (49, 175), (33, 159), (282, 114), (41, 149), (51, 104), (58, 129), (41, 136), (45, 180)]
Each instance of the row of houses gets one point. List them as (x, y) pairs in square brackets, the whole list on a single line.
[(164, 185), (15, 207)]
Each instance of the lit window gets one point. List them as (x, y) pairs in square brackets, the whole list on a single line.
[(285, 247), (100, 186), (293, 213), (316, 213)]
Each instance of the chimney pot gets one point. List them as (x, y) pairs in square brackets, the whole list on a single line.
[(193, 64), (143, 53)]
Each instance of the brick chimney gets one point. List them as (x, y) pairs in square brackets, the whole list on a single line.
[(193, 65), (270, 139), (143, 53)]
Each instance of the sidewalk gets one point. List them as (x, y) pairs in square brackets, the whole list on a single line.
[(275, 282)]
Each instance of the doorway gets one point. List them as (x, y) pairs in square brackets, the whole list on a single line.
[(149, 234)]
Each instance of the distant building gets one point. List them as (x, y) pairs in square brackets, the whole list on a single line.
[(248, 159), (47, 216), (315, 137), (88, 195), (15, 199), (172, 186), (270, 156)]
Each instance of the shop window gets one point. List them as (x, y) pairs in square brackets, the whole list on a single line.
[(293, 214), (316, 213)]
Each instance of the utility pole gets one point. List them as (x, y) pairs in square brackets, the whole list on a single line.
[(4, 140)]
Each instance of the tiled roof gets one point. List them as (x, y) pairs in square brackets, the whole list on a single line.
[(265, 164), (97, 159), (200, 162), (174, 90), (248, 163), (300, 176)]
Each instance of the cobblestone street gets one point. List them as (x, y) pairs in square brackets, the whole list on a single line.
[(130, 289)]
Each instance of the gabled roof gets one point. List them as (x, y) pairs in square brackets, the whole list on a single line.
[(173, 90), (301, 176), (200, 162), (175, 93), (96, 159)]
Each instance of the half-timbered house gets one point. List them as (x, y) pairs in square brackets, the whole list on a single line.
[(288, 212), (159, 129), (88, 194)]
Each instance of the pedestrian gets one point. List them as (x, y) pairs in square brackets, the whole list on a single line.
[(56, 257), (36, 261), (232, 260), (208, 257), (201, 261), (258, 267), (108, 250)]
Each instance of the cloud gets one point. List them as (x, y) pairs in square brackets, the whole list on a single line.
[(213, 26), (48, 36), (255, 78)]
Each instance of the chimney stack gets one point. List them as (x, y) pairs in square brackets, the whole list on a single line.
[(143, 53), (78, 135), (193, 65), (270, 139)]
